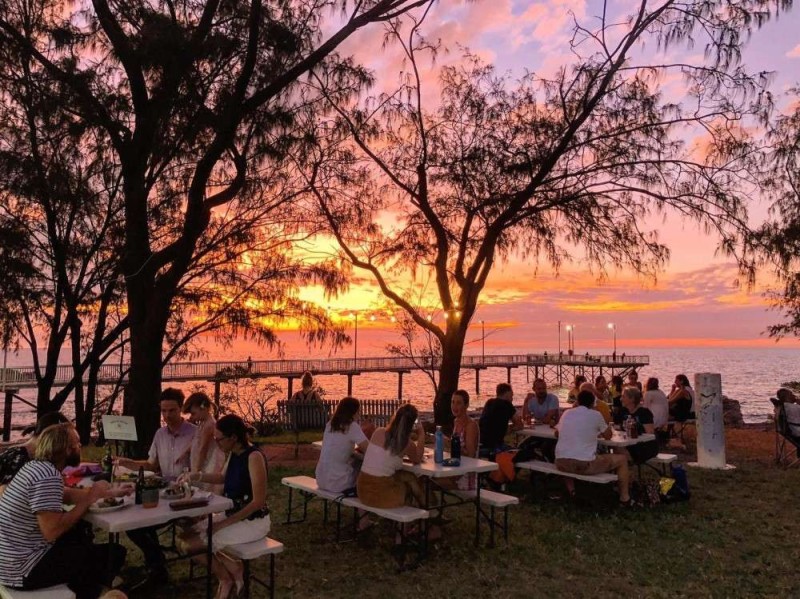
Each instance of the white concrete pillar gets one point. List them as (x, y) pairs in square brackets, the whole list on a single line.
[(710, 424)]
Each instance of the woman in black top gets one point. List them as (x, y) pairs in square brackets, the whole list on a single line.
[(248, 520)]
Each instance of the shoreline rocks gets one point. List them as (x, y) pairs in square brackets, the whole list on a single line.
[(732, 413)]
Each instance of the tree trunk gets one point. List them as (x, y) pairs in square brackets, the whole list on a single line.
[(449, 372), (144, 384)]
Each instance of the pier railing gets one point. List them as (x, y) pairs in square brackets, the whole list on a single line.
[(24, 377)]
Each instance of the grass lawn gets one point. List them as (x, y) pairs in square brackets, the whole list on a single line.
[(736, 537)]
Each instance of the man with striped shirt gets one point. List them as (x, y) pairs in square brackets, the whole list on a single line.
[(35, 551)]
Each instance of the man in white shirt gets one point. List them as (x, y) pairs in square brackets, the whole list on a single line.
[(576, 450), (168, 456)]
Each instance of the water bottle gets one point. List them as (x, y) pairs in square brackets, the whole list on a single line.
[(455, 446), (438, 448)]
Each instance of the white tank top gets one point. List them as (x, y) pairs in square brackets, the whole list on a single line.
[(380, 462)]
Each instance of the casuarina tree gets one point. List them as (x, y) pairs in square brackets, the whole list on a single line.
[(193, 101), (547, 167)]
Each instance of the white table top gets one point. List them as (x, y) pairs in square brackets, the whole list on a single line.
[(544, 431), (136, 516), (430, 468)]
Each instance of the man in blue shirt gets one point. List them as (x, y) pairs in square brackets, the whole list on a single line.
[(540, 404)]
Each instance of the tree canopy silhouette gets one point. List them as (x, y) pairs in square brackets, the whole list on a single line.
[(193, 103), (547, 167)]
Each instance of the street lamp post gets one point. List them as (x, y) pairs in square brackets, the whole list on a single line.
[(570, 339), (613, 328), (483, 341), (355, 339)]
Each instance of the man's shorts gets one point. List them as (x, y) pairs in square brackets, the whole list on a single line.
[(601, 463)]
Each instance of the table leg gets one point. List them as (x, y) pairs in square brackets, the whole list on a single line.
[(478, 511), (209, 558)]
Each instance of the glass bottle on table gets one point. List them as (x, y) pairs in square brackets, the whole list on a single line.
[(139, 486), (108, 463), (455, 446)]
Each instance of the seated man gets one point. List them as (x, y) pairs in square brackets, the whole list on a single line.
[(494, 419), (540, 404), (576, 450), (169, 456), (792, 410), (36, 550)]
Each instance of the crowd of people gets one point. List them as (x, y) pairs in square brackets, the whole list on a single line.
[(375, 470), (42, 544)]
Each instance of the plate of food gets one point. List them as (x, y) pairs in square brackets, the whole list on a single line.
[(109, 504)]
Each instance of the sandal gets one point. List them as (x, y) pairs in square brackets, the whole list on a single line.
[(626, 504)]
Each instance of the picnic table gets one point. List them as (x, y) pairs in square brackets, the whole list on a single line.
[(431, 470), (618, 439), (133, 517)]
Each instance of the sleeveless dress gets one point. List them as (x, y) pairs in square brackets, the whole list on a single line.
[(382, 483), (239, 489)]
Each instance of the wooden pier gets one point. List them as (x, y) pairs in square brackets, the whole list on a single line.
[(555, 369)]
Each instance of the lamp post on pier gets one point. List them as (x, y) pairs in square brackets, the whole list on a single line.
[(570, 339), (613, 328), (483, 341)]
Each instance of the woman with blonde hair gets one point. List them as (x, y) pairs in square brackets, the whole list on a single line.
[(382, 482), (308, 393), (204, 454)]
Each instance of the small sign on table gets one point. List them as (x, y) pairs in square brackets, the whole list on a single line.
[(119, 428)]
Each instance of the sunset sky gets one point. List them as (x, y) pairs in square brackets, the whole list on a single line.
[(694, 302)]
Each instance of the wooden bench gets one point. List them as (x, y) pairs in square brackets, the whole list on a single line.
[(250, 551), (297, 417), (495, 501), (61, 591), (548, 468)]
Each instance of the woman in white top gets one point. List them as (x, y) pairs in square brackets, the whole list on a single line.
[(656, 401), (205, 456), (382, 482), (336, 471)]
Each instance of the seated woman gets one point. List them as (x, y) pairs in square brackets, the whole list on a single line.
[(468, 433), (382, 482), (616, 396), (336, 471), (248, 520), (572, 396), (681, 399), (204, 454), (643, 421)]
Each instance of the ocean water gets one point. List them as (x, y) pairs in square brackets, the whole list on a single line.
[(750, 376)]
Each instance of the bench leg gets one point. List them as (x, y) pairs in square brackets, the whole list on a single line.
[(247, 578), (505, 524), (290, 508), (491, 526), (272, 576)]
